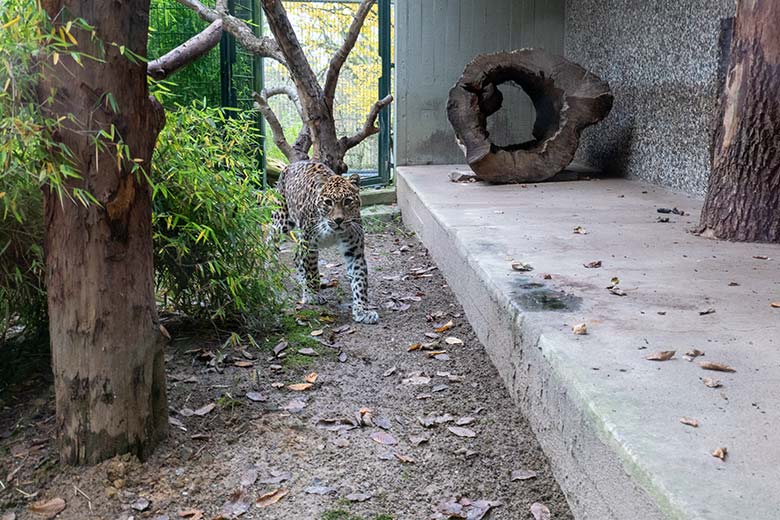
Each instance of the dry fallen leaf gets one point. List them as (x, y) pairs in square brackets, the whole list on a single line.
[(689, 422), (191, 514), (48, 508), (465, 421), (277, 477), (540, 511), (692, 354), (579, 230), (256, 397), (416, 440), (383, 438), (307, 352), (775, 305), (664, 355), (761, 257), (718, 367), (317, 332), (271, 498), (711, 382), (462, 432), (447, 326), (707, 311), (521, 266), (451, 340), (243, 364), (720, 453), (203, 410), (413, 347), (404, 458), (280, 347), (580, 329), (358, 497), (299, 387), (593, 265), (523, 474), (390, 371), (312, 378)]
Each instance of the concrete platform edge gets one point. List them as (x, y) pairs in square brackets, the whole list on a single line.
[(598, 478)]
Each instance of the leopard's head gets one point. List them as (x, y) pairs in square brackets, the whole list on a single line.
[(339, 200)]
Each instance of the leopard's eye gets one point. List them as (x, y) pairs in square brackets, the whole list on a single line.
[(328, 202), (348, 201)]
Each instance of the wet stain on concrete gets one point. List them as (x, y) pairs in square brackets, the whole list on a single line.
[(536, 297)]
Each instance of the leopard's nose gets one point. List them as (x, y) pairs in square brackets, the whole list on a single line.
[(338, 220)]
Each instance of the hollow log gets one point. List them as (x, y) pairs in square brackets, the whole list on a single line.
[(566, 97)]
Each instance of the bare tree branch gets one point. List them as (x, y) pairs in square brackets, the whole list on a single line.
[(187, 52), (288, 91), (239, 29), (284, 34), (338, 60), (369, 127), (276, 127)]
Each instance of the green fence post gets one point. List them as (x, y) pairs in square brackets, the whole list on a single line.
[(385, 53)]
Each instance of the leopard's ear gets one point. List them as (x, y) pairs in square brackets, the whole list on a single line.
[(319, 181), (355, 179)]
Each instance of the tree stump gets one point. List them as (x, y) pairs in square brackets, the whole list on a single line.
[(567, 99), (743, 197)]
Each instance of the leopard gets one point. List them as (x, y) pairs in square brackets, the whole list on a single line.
[(325, 208)]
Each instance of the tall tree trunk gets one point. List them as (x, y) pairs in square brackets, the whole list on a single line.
[(106, 341), (743, 199)]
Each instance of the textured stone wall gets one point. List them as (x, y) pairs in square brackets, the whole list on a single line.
[(661, 58)]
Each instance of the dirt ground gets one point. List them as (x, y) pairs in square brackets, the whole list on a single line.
[(391, 445)]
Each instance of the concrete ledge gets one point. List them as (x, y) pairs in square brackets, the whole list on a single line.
[(376, 196), (607, 418)]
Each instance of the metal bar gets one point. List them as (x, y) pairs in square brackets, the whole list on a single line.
[(258, 83), (385, 87)]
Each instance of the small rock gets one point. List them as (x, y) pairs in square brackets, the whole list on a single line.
[(141, 504)]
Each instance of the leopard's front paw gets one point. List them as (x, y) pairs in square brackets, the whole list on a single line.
[(365, 316), (313, 299)]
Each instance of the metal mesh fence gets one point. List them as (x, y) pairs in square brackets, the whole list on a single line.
[(171, 24)]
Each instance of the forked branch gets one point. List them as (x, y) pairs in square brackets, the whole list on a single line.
[(369, 127), (239, 29)]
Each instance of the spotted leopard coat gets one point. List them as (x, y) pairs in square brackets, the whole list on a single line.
[(325, 207)]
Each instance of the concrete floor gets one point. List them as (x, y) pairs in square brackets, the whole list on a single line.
[(607, 417)]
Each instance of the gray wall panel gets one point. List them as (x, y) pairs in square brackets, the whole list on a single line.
[(435, 39)]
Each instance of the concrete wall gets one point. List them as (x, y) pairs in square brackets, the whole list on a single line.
[(661, 60), (435, 39)]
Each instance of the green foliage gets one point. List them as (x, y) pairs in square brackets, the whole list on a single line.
[(210, 216), (30, 158)]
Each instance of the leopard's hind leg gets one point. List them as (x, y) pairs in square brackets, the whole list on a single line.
[(352, 247)]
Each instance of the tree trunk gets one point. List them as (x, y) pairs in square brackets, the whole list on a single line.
[(106, 341), (743, 198)]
